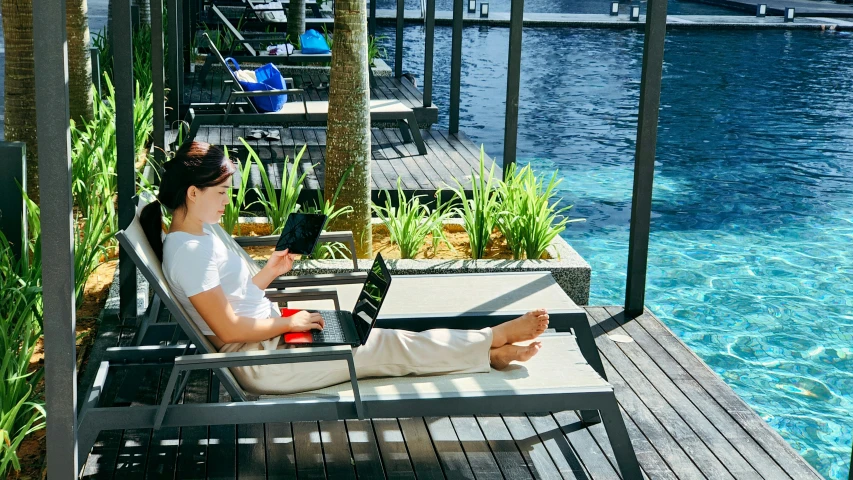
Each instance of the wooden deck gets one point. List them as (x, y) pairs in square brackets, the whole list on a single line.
[(385, 88), (683, 420), (448, 157)]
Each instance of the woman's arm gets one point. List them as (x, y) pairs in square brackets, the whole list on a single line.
[(214, 308), (278, 264)]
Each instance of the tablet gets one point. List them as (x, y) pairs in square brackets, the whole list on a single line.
[(301, 233)]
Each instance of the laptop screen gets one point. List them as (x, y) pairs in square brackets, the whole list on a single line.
[(371, 297)]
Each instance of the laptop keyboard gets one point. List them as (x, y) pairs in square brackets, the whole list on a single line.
[(332, 332)]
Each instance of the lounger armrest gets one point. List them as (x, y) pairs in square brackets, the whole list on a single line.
[(305, 294), (259, 357), (263, 357), (124, 356), (319, 280), (268, 93)]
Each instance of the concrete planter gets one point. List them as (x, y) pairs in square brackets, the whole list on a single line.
[(569, 269)]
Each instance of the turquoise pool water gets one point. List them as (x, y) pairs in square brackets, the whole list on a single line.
[(752, 232)]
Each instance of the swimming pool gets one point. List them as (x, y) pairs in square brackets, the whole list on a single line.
[(751, 261)]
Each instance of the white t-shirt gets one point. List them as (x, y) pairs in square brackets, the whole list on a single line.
[(194, 264)]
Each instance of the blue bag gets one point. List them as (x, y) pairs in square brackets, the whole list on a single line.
[(269, 78), (313, 42)]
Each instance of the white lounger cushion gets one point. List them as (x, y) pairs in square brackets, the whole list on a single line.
[(558, 368), (317, 107)]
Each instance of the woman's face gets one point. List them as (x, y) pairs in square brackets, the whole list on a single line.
[(208, 204)]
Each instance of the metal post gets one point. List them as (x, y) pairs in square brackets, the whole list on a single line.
[(134, 17), (13, 208), (371, 25), (158, 85), (513, 80), (173, 70), (183, 66), (429, 47), (187, 31), (125, 146), (644, 159), (398, 52), (50, 57), (456, 66), (95, 58)]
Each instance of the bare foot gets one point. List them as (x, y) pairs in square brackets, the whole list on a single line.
[(526, 327), (501, 357)]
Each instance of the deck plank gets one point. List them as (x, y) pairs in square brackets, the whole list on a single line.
[(730, 442), (281, 459), (309, 450), (648, 391), (251, 452), (535, 454), (503, 447), (421, 450), (365, 451), (453, 461), (480, 457), (392, 447), (771, 442), (336, 452)]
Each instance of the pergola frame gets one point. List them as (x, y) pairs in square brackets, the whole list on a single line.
[(52, 109)]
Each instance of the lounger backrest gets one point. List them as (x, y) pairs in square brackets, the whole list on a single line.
[(134, 242), (235, 83), (232, 245), (231, 28)]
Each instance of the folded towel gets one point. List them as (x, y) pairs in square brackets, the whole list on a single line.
[(276, 15), (281, 49)]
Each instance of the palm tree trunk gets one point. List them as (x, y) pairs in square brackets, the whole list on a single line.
[(79, 65), (295, 20), (348, 138), (19, 84)]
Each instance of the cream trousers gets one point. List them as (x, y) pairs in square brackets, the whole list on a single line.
[(387, 353)]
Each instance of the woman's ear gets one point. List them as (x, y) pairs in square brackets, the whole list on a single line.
[(192, 193)]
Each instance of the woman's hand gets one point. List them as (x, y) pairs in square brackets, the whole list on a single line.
[(303, 321), (280, 262)]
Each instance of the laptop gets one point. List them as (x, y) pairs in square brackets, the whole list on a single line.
[(301, 233), (353, 328)]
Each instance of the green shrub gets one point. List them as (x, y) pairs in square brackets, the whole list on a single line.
[(410, 222), (278, 205), (331, 249), (481, 212), (236, 201), (530, 221), (21, 412)]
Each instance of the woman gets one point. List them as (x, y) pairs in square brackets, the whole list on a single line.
[(228, 306)]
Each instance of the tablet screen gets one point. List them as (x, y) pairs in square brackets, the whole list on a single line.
[(301, 232)]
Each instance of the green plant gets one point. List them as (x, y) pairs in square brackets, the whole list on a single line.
[(21, 412), (479, 213), (375, 49), (410, 222), (530, 220), (327, 207), (236, 201), (278, 205)]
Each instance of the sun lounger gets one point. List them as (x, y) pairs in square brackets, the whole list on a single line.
[(302, 112), (566, 375), (276, 11), (244, 48)]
